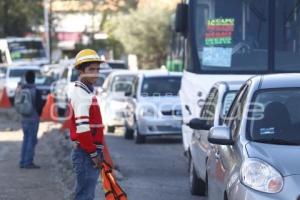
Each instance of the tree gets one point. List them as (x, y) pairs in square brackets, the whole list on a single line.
[(18, 17), (144, 32)]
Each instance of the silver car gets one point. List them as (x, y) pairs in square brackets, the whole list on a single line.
[(155, 109), (113, 99), (214, 110), (255, 153)]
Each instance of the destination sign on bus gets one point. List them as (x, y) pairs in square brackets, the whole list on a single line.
[(219, 32)]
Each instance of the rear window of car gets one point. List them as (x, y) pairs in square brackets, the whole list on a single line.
[(161, 86), (274, 117), (19, 73), (117, 65)]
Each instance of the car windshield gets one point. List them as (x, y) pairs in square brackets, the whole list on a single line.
[(26, 50), (274, 117), (44, 80), (161, 86), (122, 83), (19, 73)]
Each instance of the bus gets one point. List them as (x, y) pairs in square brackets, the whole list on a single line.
[(233, 40), (20, 51)]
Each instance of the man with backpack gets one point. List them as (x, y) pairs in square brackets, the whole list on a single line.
[(28, 102)]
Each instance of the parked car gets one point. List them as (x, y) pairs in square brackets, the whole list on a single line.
[(14, 75), (61, 88), (214, 110), (255, 153), (154, 108), (113, 99)]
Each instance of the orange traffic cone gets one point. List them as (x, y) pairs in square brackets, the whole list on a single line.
[(49, 112), (5, 102), (65, 125)]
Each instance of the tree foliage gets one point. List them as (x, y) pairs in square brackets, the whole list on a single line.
[(144, 32), (17, 17)]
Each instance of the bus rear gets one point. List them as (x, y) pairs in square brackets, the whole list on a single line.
[(20, 51)]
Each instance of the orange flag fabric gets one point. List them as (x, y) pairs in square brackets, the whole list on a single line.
[(111, 188)]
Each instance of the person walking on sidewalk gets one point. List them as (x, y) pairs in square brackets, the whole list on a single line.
[(30, 120), (86, 129)]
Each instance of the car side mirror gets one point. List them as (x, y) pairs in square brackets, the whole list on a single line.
[(99, 90), (181, 18), (198, 124), (220, 135)]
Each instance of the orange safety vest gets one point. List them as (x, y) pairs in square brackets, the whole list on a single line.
[(111, 188)]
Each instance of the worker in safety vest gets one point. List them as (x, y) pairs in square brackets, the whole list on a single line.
[(86, 129)]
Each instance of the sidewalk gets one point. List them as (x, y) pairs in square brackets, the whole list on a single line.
[(25, 184)]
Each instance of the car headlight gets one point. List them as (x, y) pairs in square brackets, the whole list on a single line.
[(148, 112), (116, 105), (261, 176)]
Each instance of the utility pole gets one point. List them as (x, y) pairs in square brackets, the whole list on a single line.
[(47, 23), (5, 16)]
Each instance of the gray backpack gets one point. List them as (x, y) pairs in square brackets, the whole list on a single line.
[(23, 102)]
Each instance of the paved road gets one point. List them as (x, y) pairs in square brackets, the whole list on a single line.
[(155, 170)]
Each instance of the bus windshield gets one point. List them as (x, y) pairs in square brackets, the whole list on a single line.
[(234, 35), (24, 50)]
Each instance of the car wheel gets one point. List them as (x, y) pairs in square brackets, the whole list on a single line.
[(197, 186), (12, 100), (129, 133), (139, 139), (110, 129)]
